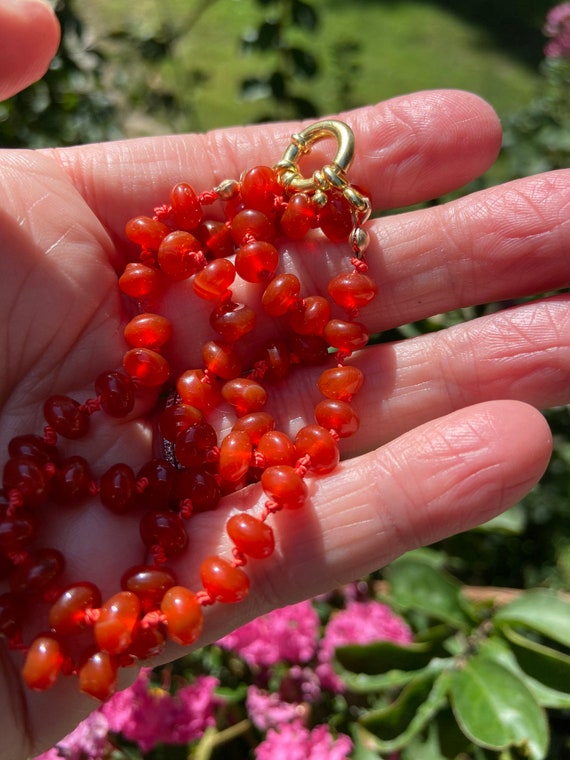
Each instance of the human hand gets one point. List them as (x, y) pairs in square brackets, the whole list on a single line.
[(449, 434)]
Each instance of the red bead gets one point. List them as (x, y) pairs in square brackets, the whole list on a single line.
[(148, 331), (188, 213), (217, 238), (276, 448), (116, 623), (299, 216), (308, 349), (27, 476), (335, 218), (195, 389), (285, 486), (281, 294), (163, 529), (310, 316), (148, 367), (346, 336), (194, 445), (116, 392), (160, 479), (223, 581), (255, 425), (201, 487), (17, 530), (352, 290), (33, 446), (98, 676), (43, 663), (176, 419), (316, 442), (12, 614), (214, 279), (232, 320), (341, 382), (66, 417), (140, 281), (257, 261), (260, 189), (118, 488), (244, 395), (276, 359), (222, 361), (146, 232), (37, 572), (235, 456), (184, 616), (147, 642), (67, 613), (337, 415), (149, 583), (71, 481), (250, 222), (177, 255), (251, 536)]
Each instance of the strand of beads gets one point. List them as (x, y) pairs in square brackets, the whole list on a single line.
[(92, 637)]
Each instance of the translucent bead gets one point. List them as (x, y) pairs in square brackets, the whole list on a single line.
[(337, 415), (221, 360), (310, 316), (98, 676), (149, 583), (316, 442), (232, 320), (116, 623), (195, 443), (39, 570), (117, 393), (67, 613), (260, 189), (335, 218), (66, 417), (223, 581), (281, 294), (299, 216), (177, 255), (214, 279), (118, 489), (140, 281), (346, 336), (250, 222), (352, 290), (341, 382), (235, 456), (257, 261), (27, 476), (178, 418), (186, 208), (285, 486), (148, 367), (148, 331), (311, 350), (71, 481), (276, 448), (201, 487), (196, 390), (160, 479), (255, 425), (33, 446), (244, 395), (277, 361), (146, 232), (163, 529), (216, 237), (184, 616), (43, 663), (147, 642), (251, 536), (17, 530)]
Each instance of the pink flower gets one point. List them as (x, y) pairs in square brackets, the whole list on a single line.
[(295, 742), (267, 710), (290, 634), (557, 27), (358, 623), (88, 740)]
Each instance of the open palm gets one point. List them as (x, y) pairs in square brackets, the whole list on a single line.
[(445, 442)]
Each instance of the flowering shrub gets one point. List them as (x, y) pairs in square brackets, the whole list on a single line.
[(557, 29)]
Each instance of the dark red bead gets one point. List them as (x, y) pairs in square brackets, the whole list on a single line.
[(71, 481), (201, 487), (163, 529), (335, 218), (149, 583), (194, 444), (66, 417), (117, 393), (37, 572), (217, 238), (308, 349), (232, 320), (159, 477), (33, 446), (299, 216), (12, 614), (27, 476), (118, 488), (17, 530), (67, 613)]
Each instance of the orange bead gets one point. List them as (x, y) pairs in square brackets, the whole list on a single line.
[(285, 486), (140, 281), (188, 213), (232, 320), (43, 663), (316, 442), (299, 216), (255, 425), (214, 279), (235, 456), (245, 395), (341, 382), (195, 389), (352, 290), (67, 613), (177, 255), (149, 583), (276, 448), (148, 367), (220, 360), (281, 294), (184, 616), (117, 620), (251, 536), (310, 316), (337, 415), (148, 331), (257, 261), (98, 676), (223, 581), (146, 232), (346, 336)]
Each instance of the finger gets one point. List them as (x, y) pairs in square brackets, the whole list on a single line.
[(29, 36), (408, 149)]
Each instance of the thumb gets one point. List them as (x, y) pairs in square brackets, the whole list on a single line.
[(29, 36)]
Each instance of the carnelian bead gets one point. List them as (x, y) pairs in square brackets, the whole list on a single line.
[(188, 213), (149, 583), (116, 622), (217, 238), (201, 487), (148, 331), (244, 395), (281, 294), (12, 614), (222, 361), (140, 281), (214, 279), (308, 349), (37, 572), (352, 290), (232, 320), (118, 488), (67, 613), (17, 530), (159, 477), (163, 529), (177, 255), (335, 218), (146, 232), (148, 367), (194, 444), (276, 448), (116, 392), (276, 359), (66, 417), (43, 663), (235, 456), (71, 481), (310, 316), (284, 485), (337, 415), (98, 676), (223, 581), (251, 536), (196, 389), (184, 615), (316, 442), (250, 222), (299, 216), (256, 261), (346, 336), (34, 446), (147, 642), (259, 189), (176, 419), (341, 382), (27, 476), (255, 425)]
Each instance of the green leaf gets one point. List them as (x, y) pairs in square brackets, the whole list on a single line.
[(495, 710), (415, 584), (362, 683), (541, 611), (550, 667), (512, 522), (383, 656), (424, 747), (304, 15)]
